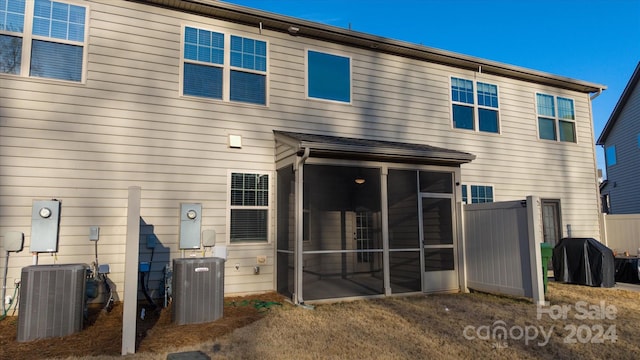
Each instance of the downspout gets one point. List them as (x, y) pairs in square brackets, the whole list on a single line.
[(299, 246), (601, 222)]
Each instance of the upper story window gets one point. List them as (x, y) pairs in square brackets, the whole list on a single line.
[(207, 73), (482, 116), (610, 155), (328, 76), (249, 207), (558, 125), (54, 44)]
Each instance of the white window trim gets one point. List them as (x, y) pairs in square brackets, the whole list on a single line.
[(556, 118), (269, 207), (27, 38), (468, 185), (306, 76), (475, 106), (226, 66)]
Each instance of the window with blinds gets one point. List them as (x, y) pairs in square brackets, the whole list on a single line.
[(249, 207), (483, 116), (224, 67), (52, 47)]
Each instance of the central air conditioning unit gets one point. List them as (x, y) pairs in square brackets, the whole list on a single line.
[(52, 300), (198, 290)]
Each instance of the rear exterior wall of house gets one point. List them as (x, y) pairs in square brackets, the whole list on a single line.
[(127, 123)]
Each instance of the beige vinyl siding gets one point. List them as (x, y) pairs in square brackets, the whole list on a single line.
[(128, 126)]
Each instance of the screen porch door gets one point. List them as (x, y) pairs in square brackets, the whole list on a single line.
[(438, 242)]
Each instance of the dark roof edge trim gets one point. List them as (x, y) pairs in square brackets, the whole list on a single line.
[(281, 23), (383, 150)]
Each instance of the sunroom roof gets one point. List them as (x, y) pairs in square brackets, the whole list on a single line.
[(337, 147)]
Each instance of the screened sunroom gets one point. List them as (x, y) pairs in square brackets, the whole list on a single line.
[(365, 218)]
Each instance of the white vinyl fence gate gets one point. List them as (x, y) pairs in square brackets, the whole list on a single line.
[(502, 248)]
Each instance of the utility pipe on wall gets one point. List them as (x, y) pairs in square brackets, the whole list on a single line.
[(299, 246)]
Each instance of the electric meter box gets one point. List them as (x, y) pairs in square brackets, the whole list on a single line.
[(190, 223), (45, 222)]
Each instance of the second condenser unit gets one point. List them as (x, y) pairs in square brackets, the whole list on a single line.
[(198, 290)]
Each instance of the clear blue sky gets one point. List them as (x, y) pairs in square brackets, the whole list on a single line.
[(591, 40)]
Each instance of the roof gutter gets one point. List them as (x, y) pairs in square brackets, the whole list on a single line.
[(596, 94), (305, 28)]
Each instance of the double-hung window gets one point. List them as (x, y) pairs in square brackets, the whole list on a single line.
[(43, 38), (224, 67), (470, 114), (328, 76), (556, 118), (249, 207), (248, 70)]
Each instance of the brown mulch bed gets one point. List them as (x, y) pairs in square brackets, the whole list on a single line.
[(102, 333)]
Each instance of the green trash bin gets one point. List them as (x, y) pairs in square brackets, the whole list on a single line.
[(546, 250)]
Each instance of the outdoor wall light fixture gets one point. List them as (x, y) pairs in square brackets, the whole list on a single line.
[(293, 30), (360, 181)]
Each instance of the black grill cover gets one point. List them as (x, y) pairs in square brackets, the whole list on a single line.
[(583, 261)]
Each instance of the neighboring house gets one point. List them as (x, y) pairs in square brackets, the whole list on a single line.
[(337, 162), (621, 141)]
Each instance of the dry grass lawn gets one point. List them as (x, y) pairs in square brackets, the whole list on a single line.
[(444, 326)]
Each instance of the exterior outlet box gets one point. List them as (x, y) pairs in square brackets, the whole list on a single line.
[(198, 290), (52, 300), (94, 233), (190, 222), (145, 267), (45, 222), (13, 241), (208, 238), (220, 251), (151, 241), (104, 269)]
